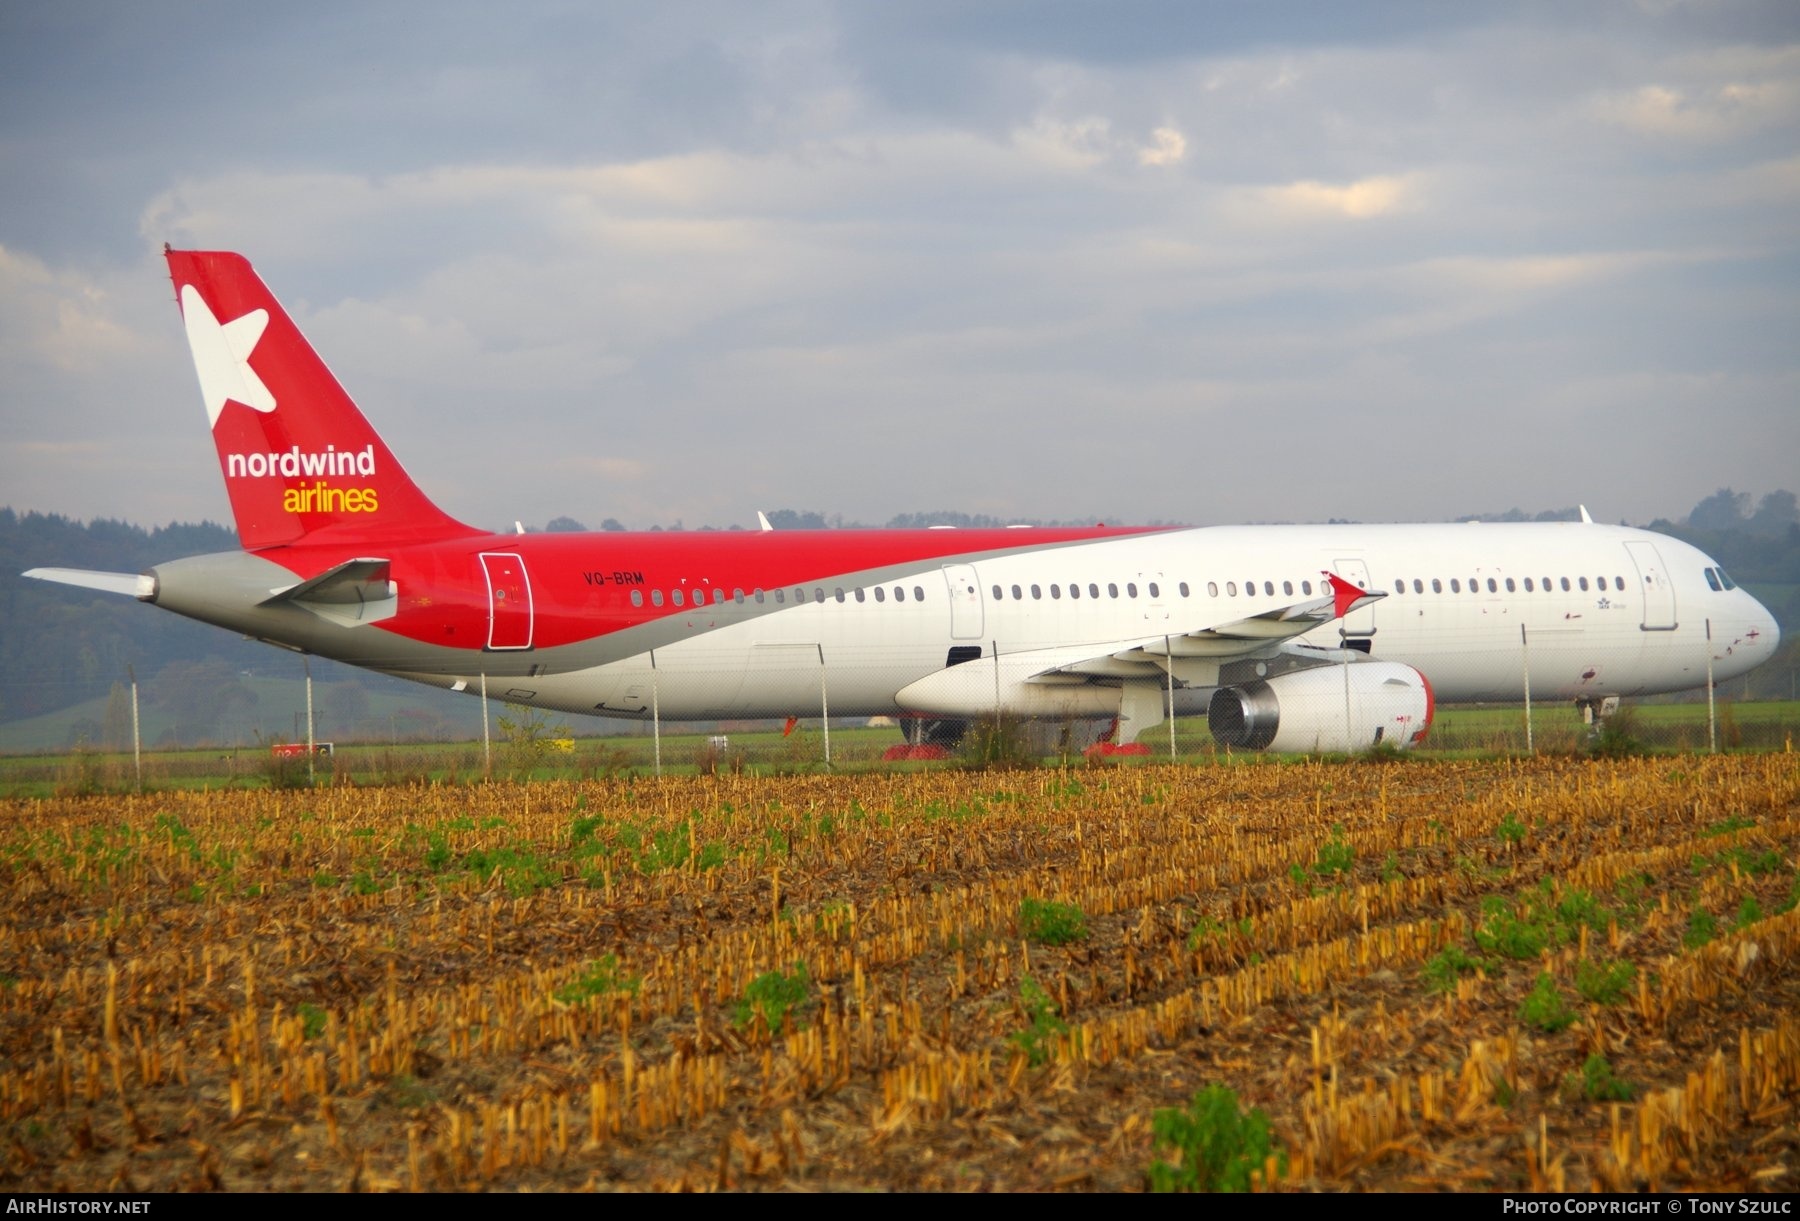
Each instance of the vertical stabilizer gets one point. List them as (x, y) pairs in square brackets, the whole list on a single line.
[(298, 456)]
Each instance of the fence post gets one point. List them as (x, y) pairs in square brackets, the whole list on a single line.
[(1712, 721), (1525, 652), (310, 777), (1170, 654), (137, 744), (655, 715), (824, 706)]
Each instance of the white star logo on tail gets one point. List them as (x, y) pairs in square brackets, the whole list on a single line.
[(222, 355)]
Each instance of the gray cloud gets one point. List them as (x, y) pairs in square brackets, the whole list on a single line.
[(1167, 262)]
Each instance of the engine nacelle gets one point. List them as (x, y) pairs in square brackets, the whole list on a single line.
[(1327, 708)]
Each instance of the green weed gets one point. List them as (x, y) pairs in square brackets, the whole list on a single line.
[(1443, 969), (774, 995), (1544, 1007), (603, 978), (1212, 1145), (1702, 927), (1604, 983), (1038, 1037), (1050, 923), (312, 1019), (1598, 1083)]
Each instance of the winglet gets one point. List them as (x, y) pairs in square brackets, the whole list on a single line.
[(762, 520), (1586, 520), (1346, 597)]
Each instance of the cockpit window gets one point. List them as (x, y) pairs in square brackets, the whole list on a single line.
[(1712, 579), (1726, 577)]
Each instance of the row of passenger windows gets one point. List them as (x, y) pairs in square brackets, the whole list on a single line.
[(680, 597), (1494, 585), (1093, 590), (1075, 591)]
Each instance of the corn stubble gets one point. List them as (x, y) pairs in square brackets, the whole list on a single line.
[(544, 986)]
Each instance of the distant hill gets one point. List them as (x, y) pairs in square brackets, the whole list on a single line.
[(65, 653)]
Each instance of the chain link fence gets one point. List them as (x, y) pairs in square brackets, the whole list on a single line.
[(206, 722)]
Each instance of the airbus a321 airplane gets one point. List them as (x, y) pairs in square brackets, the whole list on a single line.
[(1308, 638)]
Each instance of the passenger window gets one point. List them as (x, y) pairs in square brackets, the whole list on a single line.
[(1527, 584), (780, 597), (1418, 586), (1400, 586), (1455, 586), (1619, 583), (859, 594), (997, 595), (1306, 587), (1493, 586), (1074, 590), (679, 597), (1287, 588), (1056, 592), (918, 593), (1212, 589), (1131, 589), (880, 594), (758, 595), (839, 591), (1437, 586), (719, 596), (1184, 589), (656, 597), (1231, 588), (1018, 593), (899, 593), (1565, 584), (1583, 582), (1153, 592), (818, 593), (1093, 590), (737, 595), (637, 597), (1510, 587), (1036, 593), (1112, 590)]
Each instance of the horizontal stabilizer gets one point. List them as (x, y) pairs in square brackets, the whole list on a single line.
[(131, 584), (350, 583)]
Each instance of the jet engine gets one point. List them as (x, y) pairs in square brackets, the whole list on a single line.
[(1326, 708)]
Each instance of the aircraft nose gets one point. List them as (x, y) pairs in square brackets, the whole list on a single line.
[(1764, 631)]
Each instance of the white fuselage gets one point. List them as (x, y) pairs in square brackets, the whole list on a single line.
[(1577, 610)]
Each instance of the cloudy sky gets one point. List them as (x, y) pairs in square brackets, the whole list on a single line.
[(1201, 262)]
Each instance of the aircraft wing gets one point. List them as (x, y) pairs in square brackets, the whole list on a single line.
[(1221, 642), (1059, 674), (131, 584)]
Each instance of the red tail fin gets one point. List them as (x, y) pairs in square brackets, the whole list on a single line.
[(297, 455)]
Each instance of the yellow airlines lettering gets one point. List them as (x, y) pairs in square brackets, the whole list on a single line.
[(321, 497)]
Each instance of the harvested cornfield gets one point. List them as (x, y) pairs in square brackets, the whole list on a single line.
[(1559, 975)]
